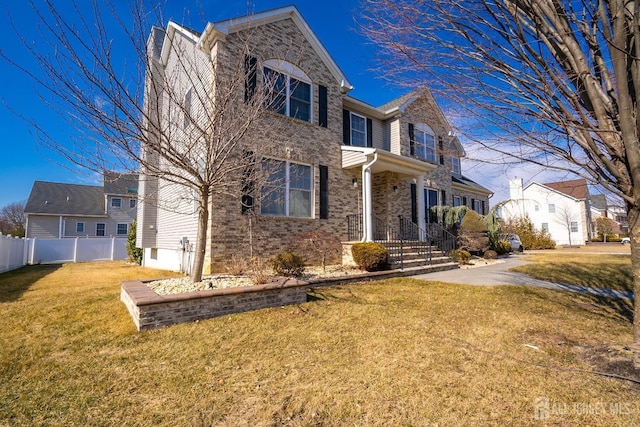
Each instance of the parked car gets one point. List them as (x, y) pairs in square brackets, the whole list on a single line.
[(514, 240), (625, 240)]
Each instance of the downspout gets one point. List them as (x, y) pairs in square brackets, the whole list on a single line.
[(367, 203)]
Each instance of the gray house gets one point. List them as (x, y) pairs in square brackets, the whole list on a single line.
[(57, 210)]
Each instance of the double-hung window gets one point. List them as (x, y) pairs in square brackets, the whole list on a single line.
[(116, 202), (287, 190), (455, 165), (101, 229), (425, 143), (122, 229), (79, 227), (358, 130), (574, 226), (288, 90)]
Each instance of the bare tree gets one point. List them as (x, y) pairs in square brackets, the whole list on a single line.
[(13, 220), (152, 100), (567, 217), (551, 82)]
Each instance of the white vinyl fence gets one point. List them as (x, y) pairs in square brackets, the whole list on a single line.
[(18, 252)]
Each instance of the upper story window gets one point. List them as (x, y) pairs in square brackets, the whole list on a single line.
[(358, 130), (455, 165), (288, 189), (552, 208), (425, 142), (288, 89), (132, 203), (116, 202)]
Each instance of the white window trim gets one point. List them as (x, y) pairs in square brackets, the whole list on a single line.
[(290, 70), (126, 227), (426, 129), (351, 129), (133, 203), (83, 227), (113, 200), (456, 166), (287, 191), (105, 229)]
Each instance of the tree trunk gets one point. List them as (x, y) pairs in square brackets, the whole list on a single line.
[(201, 238), (633, 214)]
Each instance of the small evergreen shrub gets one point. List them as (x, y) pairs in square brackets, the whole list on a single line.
[(370, 256), (460, 256), (503, 247), (135, 254), (288, 264), (490, 254)]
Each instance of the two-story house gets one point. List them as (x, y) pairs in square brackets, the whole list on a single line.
[(561, 208), (58, 210), (345, 167)]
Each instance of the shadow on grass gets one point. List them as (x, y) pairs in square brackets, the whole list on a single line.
[(609, 308), (593, 275), (16, 282)]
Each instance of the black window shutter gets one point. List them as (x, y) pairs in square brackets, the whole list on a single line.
[(412, 143), (414, 204), (322, 106), (441, 148), (483, 207), (443, 195), (464, 201), (251, 77), (324, 193), (346, 127), (247, 183), (369, 132)]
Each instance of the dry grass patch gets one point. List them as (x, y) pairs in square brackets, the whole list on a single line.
[(396, 352), (594, 270)]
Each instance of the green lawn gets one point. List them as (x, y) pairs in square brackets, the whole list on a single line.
[(593, 270), (394, 352)]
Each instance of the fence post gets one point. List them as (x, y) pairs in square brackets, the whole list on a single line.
[(75, 250), (113, 246), (32, 250)]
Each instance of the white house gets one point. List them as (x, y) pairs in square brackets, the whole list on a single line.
[(561, 208)]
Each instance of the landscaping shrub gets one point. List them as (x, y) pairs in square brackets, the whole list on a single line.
[(529, 236), (460, 256), (370, 256), (288, 264), (135, 254), (503, 247), (236, 266), (260, 275), (472, 235), (490, 254)]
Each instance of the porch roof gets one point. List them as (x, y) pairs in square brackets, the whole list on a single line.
[(355, 157)]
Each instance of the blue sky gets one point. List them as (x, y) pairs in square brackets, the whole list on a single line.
[(23, 161)]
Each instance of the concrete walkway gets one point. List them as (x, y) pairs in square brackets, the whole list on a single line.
[(498, 274)]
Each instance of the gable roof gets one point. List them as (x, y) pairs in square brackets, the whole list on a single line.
[(120, 184), (54, 198), (219, 30), (576, 188)]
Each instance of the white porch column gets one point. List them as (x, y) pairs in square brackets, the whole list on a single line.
[(422, 220), (367, 205)]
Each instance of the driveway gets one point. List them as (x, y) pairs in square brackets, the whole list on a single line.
[(498, 274)]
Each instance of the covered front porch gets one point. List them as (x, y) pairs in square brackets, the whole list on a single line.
[(392, 209)]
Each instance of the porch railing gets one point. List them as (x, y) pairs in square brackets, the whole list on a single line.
[(408, 237)]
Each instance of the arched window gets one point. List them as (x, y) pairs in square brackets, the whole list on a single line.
[(288, 89), (425, 142)]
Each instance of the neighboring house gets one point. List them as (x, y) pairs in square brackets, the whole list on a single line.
[(57, 210), (561, 208), (361, 166)]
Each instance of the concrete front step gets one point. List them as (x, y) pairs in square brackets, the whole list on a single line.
[(408, 263)]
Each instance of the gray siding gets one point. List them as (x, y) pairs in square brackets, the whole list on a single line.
[(42, 226)]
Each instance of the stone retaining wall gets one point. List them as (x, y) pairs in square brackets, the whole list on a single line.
[(150, 310)]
